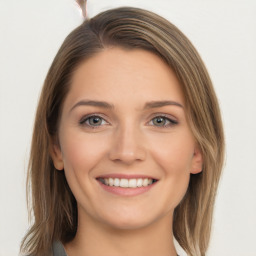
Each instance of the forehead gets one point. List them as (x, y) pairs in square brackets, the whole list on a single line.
[(116, 74)]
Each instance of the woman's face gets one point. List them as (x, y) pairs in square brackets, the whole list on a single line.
[(123, 124)]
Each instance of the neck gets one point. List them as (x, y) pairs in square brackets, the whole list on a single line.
[(99, 239)]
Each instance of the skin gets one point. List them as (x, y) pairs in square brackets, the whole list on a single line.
[(126, 141)]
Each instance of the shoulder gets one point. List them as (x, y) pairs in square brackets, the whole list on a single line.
[(58, 249)]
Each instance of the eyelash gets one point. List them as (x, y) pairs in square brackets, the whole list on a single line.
[(166, 118), (87, 118)]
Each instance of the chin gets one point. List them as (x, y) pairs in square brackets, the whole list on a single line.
[(130, 220), (128, 224)]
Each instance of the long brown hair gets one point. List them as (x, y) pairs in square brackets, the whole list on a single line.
[(52, 203)]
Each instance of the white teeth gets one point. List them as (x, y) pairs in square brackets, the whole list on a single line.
[(127, 183), (145, 182), (139, 183), (116, 182), (124, 183), (132, 183), (110, 182)]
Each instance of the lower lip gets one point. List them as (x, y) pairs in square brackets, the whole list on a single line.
[(126, 191)]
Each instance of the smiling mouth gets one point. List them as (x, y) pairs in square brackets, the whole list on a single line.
[(127, 183)]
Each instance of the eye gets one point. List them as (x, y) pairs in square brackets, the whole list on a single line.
[(93, 121), (162, 121)]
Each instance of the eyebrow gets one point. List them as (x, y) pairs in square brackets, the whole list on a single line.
[(158, 104), (101, 104), (148, 105)]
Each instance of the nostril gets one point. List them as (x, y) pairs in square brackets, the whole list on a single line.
[(127, 157), (127, 148)]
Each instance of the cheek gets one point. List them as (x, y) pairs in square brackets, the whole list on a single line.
[(81, 152), (174, 155), (174, 152)]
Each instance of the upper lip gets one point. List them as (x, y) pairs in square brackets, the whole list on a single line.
[(126, 176)]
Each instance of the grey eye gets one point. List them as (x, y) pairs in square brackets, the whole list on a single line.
[(162, 121), (94, 121), (159, 121)]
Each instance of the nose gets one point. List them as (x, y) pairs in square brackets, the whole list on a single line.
[(128, 145)]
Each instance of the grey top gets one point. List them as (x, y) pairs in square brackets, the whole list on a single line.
[(58, 249)]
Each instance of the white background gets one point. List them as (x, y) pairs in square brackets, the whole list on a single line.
[(224, 32)]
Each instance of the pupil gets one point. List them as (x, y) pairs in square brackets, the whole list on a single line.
[(95, 120), (159, 121)]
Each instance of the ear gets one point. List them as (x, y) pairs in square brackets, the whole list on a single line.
[(56, 154), (197, 161)]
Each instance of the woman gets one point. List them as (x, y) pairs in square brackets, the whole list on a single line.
[(128, 145)]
